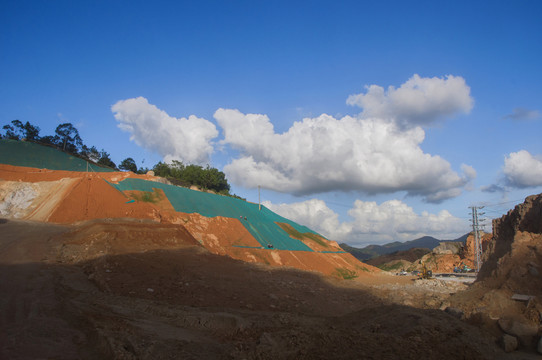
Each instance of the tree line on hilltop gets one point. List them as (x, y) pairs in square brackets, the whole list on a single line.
[(67, 139)]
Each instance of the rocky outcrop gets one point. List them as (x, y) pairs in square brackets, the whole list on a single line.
[(508, 291), (513, 259), (448, 248)]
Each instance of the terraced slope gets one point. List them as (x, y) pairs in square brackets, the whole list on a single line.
[(223, 225)]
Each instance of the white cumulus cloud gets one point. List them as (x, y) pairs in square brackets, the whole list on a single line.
[(419, 101), (185, 139), (314, 214), (324, 154), (373, 223), (522, 169), (375, 152)]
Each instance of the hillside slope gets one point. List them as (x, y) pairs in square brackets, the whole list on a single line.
[(136, 289), (91, 269), (506, 296), (373, 251), (409, 256), (29, 154), (223, 225)]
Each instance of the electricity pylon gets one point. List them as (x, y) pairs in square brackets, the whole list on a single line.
[(476, 231)]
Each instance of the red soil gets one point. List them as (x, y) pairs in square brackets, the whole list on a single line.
[(90, 197)]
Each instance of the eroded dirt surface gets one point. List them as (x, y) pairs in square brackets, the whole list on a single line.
[(65, 197), (136, 280), (134, 289)]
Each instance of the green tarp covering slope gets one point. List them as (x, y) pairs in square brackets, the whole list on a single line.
[(24, 153), (260, 223)]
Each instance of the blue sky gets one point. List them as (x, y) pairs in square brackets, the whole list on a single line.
[(366, 121)]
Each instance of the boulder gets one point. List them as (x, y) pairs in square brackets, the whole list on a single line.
[(509, 343), (520, 328)]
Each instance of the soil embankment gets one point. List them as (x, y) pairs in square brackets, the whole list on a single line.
[(140, 290), (67, 197), (506, 298), (113, 276)]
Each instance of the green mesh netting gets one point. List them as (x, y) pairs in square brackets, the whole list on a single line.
[(260, 223), (24, 153)]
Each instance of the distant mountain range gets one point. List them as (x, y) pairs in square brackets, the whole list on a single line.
[(373, 251)]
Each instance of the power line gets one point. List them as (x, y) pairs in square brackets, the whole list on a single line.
[(503, 203)]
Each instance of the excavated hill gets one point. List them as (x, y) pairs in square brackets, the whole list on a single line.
[(506, 298), (68, 197), (514, 257), (110, 265), (134, 289), (442, 259)]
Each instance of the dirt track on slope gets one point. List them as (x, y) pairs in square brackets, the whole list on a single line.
[(132, 289)]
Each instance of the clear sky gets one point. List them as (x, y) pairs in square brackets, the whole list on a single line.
[(368, 121)]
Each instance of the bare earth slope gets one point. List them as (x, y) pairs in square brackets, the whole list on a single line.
[(506, 298), (103, 274), (79, 292), (66, 197)]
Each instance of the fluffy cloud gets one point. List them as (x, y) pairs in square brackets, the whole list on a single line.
[(419, 101), (522, 169), (188, 140), (326, 154), (376, 152), (314, 214), (523, 114), (372, 223)]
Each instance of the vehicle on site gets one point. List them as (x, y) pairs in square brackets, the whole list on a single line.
[(425, 273), (462, 268)]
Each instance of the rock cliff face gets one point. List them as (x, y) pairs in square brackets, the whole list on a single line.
[(513, 260), (445, 257), (507, 294)]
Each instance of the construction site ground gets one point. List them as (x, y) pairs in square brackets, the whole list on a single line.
[(90, 269), (69, 293)]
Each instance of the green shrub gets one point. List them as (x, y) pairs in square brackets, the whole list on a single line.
[(345, 273)]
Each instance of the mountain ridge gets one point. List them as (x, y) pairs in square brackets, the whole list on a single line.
[(372, 251)]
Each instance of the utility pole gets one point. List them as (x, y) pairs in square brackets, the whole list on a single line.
[(259, 201), (476, 232)]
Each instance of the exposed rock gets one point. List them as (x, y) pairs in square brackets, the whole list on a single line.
[(448, 248), (14, 200), (509, 343), (469, 254), (516, 242), (520, 328)]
